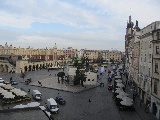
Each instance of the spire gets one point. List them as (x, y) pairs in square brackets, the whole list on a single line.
[(136, 26)]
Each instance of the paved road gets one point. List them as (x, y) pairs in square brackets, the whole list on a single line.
[(78, 107)]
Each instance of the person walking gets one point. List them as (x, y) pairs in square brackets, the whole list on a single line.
[(147, 108), (10, 79)]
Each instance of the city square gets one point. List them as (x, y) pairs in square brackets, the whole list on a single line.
[(102, 104), (79, 60)]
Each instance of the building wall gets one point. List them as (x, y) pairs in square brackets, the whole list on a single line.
[(146, 50), (91, 78), (114, 55), (155, 97), (135, 63), (91, 54)]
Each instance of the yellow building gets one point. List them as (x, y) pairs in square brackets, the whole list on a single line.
[(50, 56), (114, 55), (91, 54)]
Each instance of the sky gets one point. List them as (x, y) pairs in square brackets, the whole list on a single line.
[(90, 24)]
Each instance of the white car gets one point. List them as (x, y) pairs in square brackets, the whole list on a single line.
[(52, 105)]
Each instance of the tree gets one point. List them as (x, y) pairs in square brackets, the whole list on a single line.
[(80, 76), (61, 75)]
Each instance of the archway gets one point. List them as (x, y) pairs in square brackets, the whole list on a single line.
[(40, 67), (1, 68), (43, 66), (25, 68), (30, 68), (6, 68), (33, 69), (37, 67), (154, 108)]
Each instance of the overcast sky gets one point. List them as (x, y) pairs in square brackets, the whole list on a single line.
[(91, 24)]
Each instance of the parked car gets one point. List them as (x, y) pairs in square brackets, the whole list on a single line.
[(110, 87), (60, 100), (13, 82)]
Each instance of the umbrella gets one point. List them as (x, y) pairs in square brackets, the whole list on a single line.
[(118, 91), (117, 77), (3, 91), (120, 96), (20, 106), (8, 87), (127, 99), (118, 81), (8, 95), (33, 104), (123, 93), (126, 103), (120, 85), (18, 92)]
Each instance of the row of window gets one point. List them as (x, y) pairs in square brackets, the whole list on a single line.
[(145, 58), (149, 70)]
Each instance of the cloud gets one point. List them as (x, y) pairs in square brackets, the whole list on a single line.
[(98, 24), (88, 40)]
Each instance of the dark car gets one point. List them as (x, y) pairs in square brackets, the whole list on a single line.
[(110, 87), (13, 82), (60, 100)]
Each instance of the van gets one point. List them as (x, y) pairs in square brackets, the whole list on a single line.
[(36, 95), (52, 105)]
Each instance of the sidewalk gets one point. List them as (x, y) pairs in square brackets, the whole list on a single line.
[(140, 110), (53, 84)]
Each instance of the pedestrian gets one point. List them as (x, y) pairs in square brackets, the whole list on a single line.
[(39, 83), (133, 97), (100, 84), (147, 108), (103, 84), (10, 79), (89, 100), (29, 90)]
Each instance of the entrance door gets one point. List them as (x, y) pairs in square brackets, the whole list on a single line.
[(154, 108)]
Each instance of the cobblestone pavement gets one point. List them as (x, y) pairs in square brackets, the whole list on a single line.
[(78, 107), (53, 83)]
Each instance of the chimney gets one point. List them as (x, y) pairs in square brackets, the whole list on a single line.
[(130, 19)]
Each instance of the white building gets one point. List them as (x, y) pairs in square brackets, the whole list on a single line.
[(145, 63), (91, 78)]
